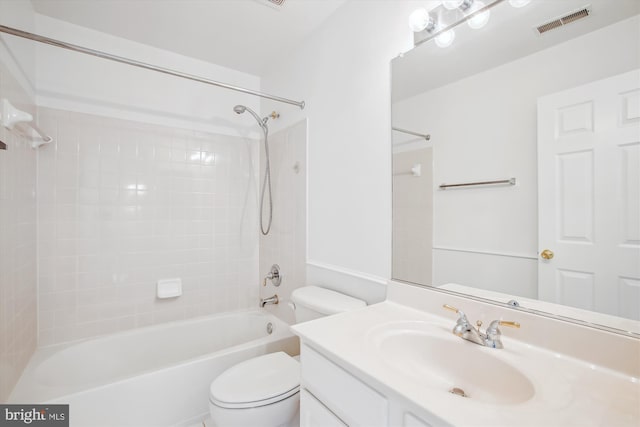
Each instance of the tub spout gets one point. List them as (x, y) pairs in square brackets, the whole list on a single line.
[(270, 300)]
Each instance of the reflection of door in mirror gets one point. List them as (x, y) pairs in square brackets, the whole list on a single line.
[(589, 206)]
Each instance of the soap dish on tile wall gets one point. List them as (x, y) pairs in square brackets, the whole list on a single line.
[(169, 288)]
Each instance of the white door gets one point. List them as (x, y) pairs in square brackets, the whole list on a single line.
[(589, 196)]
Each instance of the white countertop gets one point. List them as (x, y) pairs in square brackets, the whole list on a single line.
[(568, 391)]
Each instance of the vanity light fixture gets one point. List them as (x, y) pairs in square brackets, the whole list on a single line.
[(457, 4), (478, 20), (420, 20), (445, 38), (438, 24)]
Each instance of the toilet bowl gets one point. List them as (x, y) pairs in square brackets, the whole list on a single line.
[(265, 391)]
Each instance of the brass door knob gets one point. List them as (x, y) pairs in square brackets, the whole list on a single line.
[(546, 254)]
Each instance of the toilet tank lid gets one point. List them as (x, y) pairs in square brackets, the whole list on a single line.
[(325, 301)]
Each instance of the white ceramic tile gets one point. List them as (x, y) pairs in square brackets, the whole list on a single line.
[(18, 332), (137, 204), (285, 245)]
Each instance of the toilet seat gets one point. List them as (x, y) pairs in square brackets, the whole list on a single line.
[(256, 382)]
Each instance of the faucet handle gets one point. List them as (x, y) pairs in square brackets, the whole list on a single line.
[(462, 324), (493, 326), (493, 332), (450, 308), (273, 275), (508, 323), (462, 318)]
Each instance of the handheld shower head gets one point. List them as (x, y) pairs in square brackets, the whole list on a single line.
[(239, 109)]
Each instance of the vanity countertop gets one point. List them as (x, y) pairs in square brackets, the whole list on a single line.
[(568, 391)]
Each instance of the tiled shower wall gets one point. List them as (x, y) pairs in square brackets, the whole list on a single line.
[(286, 243), (18, 287), (124, 204), (413, 216)]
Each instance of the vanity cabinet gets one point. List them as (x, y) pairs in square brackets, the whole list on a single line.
[(331, 396), (390, 364), (314, 413)]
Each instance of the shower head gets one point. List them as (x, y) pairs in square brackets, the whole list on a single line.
[(239, 109)]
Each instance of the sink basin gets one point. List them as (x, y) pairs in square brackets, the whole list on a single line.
[(433, 356)]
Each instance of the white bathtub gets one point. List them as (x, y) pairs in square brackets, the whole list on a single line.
[(154, 376)]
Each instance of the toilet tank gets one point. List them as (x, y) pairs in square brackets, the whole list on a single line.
[(312, 302)]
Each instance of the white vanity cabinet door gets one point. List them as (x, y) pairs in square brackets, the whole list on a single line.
[(314, 414), (351, 400)]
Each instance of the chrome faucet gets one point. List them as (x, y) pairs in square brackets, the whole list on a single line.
[(490, 338), (271, 300), (273, 275)]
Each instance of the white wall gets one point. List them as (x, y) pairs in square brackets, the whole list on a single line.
[(492, 135), (77, 82), (342, 72)]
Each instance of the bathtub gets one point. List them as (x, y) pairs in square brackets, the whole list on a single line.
[(153, 376)]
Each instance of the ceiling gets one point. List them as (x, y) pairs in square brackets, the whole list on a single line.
[(245, 35)]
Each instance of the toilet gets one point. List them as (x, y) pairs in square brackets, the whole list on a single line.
[(264, 391)]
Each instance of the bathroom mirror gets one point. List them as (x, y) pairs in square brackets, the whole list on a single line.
[(524, 186)]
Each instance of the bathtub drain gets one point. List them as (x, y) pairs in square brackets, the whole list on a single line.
[(269, 328)]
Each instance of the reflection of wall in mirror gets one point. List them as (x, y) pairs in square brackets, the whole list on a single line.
[(412, 215), (484, 128)]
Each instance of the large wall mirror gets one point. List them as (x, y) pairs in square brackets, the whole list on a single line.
[(527, 186)]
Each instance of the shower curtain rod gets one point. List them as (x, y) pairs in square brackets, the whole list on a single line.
[(139, 64)]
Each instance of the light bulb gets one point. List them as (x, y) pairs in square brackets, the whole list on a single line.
[(452, 4), (519, 3), (445, 39), (480, 20), (419, 20)]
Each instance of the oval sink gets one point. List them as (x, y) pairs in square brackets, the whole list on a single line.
[(424, 352)]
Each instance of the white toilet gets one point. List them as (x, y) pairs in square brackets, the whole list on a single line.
[(264, 391)]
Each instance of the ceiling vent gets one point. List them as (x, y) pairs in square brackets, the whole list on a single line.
[(564, 20)]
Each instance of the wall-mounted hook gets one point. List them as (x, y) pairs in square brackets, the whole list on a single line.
[(10, 116)]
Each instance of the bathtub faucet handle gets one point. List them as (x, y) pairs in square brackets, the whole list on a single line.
[(273, 275)]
